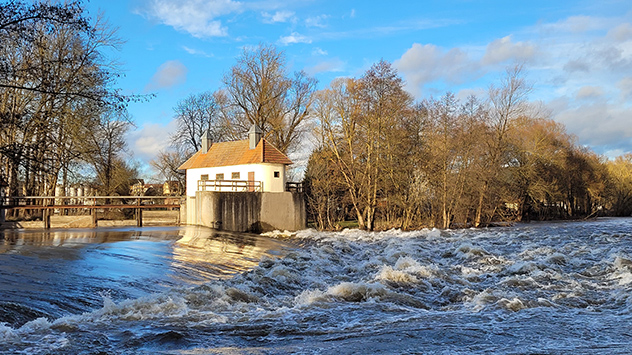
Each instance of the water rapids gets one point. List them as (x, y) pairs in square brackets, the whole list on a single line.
[(552, 288)]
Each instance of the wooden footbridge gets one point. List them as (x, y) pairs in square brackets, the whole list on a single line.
[(48, 205)]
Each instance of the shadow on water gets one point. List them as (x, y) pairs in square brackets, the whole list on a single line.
[(55, 273)]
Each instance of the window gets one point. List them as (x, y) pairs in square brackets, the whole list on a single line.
[(219, 176), (277, 174), (204, 177), (235, 176)]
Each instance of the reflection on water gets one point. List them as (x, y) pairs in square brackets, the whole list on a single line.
[(53, 273), (222, 253)]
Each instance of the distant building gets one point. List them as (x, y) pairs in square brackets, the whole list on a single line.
[(139, 188), (172, 188)]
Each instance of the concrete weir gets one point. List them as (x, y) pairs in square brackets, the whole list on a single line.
[(246, 211)]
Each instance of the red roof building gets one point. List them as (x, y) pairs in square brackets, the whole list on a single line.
[(247, 165)]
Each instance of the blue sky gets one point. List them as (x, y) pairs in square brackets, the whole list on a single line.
[(577, 54)]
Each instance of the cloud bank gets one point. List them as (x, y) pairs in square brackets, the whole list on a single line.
[(197, 17), (579, 67)]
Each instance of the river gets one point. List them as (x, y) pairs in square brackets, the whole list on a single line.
[(539, 288)]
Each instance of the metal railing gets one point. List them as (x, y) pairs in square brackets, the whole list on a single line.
[(230, 185), (66, 202), (294, 186), (48, 205)]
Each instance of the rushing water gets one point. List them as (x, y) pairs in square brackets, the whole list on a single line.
[(549, 288)]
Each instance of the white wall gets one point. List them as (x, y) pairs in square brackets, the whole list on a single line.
[(263, 173)]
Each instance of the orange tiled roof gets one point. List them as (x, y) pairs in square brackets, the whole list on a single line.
[(236, 153)]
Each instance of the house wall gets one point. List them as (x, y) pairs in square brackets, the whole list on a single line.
[(263, 173), (248, 211)]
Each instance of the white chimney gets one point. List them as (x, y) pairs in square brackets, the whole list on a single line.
[(254, 136), (206, 142)]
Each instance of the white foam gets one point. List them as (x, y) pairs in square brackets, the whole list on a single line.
[(36, 325), (7, 334), (279, 234), (346, 291), (387, 273), (514, 304)]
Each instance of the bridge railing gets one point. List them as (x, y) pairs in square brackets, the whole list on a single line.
[(44, 202), (49, 205)]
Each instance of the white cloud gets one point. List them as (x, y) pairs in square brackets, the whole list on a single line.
[(575, 25), (316, 21), (598, 124), (194, 51), (279, 16), (621, 33), (353, 13), (503, 50), (318, 51), (462, 95), (169, 74), (422, 64), (294, 38), (197, 17), (577, 65), (600, 56), (150, 139), (625, 86), (589, 92), (333, 65)]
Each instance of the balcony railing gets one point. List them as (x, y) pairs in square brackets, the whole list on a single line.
[(230, 185), (294, 186)]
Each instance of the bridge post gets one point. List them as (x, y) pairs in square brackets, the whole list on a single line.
[(139, 217), (46, 218), (2, 210), (139, 214), (93, 212)]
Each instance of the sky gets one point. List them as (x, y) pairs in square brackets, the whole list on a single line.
[(576, 54)]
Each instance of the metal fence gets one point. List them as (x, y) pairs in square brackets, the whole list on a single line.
[(230, 185)]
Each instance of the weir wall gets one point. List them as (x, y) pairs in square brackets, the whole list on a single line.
[(246, 211)]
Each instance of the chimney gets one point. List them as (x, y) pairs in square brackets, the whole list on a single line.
[(206, 142), (254, 136)]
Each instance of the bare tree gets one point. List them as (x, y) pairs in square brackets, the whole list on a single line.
[(55, 83), (258, 90), (196, 114), (167, 163), (620, 185), (362, 124), (506, 104), (104, 149)]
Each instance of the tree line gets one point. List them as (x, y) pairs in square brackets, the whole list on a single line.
[(379, 158), (387, 161), (61, 117)]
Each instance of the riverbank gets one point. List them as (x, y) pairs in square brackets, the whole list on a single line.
[(150, 218)]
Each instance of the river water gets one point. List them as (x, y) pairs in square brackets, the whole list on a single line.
[(540, 288)]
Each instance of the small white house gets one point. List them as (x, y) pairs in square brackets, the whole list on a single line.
[(247, 165)]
